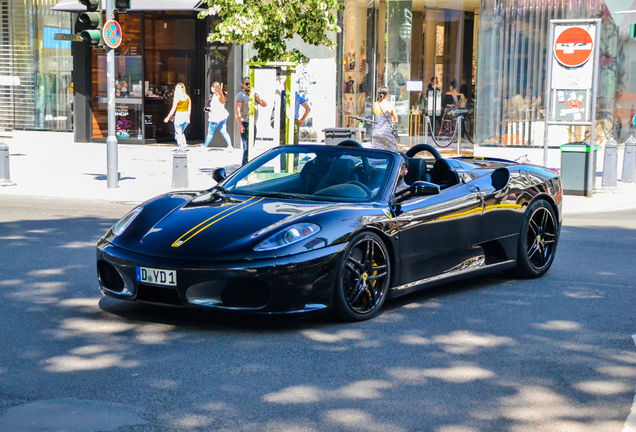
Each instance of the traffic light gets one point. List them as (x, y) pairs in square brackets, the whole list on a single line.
[(122, 6), (92, 20), (632, 30)]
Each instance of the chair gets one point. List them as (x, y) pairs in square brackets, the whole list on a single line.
[(447, 126), (444, 175), (313, 172), (418, 170), (341, 171)]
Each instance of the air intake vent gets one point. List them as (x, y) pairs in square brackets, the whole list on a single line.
[(157, 294), (109, 277), (247, 293)]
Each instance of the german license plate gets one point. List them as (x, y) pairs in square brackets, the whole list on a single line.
[(157, 276)]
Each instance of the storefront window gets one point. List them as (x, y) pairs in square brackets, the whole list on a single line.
[(35, 81), (170, 58), (128, 85), (512, 72)]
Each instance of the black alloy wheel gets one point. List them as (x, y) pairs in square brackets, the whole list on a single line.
[(538, 240), (363, 278)]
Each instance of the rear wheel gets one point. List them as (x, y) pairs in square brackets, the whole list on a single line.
[(538, 240), (363, 278)]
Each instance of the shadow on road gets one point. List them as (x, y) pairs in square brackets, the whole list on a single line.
[(489, 354)]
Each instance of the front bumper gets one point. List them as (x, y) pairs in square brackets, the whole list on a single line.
[(300, 284)]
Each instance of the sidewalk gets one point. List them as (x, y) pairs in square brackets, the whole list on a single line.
[(50, 164)]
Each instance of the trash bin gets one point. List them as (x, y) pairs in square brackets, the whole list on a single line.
[(574, 176), (333, 136)]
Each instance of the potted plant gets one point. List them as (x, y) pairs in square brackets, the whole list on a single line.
[(122, 128)]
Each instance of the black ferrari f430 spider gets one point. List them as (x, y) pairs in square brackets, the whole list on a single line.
[(309, 229)]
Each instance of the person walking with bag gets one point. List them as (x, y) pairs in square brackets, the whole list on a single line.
[(217, 115), (181, 108), (383, 136)]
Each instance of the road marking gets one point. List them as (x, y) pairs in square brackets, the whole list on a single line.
[(630, 423)]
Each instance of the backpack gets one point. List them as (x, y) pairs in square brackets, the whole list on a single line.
[(399, 79)]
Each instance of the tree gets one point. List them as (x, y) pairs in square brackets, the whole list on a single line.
[(269, 24)]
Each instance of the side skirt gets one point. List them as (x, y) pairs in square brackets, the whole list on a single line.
[(472, 267)]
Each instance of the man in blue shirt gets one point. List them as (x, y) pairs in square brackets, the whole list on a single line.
[(297, 122)]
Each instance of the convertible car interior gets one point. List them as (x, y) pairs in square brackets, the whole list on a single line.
[(353, 176)]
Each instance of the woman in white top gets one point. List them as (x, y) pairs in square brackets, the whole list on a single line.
[(217, 117), (181, 108)]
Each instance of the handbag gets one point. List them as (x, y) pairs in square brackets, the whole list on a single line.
[(393, 130)]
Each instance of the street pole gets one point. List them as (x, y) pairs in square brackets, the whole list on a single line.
[(112, 174)]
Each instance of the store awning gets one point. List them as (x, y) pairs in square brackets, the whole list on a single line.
[(138, 5)]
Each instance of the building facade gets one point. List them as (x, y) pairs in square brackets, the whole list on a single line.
[(35, 68), (493, 51)]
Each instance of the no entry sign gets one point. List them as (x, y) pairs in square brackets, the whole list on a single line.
[(112, 34), (573, 47)]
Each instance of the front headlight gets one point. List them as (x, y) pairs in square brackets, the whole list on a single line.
[(290, 235), (123, 223)]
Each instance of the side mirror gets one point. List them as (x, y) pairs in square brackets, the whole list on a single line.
[(219, 175), (418, 188), (422, 188)]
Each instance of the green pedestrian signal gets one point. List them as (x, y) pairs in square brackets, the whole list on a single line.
[(122, 6), (92, 21)]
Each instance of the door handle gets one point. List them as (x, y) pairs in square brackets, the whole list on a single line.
[(474, 189)]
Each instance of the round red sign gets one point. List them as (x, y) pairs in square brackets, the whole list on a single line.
[(112, 34), (573, 47)]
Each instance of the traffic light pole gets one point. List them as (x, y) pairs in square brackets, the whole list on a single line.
[(112, 173)]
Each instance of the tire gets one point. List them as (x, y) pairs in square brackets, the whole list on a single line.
[(364, 274), (537, 241)]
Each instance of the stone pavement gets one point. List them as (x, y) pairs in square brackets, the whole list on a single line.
[(50, 164)]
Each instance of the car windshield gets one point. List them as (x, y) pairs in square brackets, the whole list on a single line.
[(324, 173)]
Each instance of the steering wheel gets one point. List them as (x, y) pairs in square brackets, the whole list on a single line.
[(361, 186), (424, 147)]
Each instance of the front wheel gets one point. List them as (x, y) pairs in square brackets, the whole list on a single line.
[(364, 274), (538, 240)]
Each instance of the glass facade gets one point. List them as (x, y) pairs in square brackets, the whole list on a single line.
[(35, 68), (157, 52), (403, 45), (495, 54), (512, 74)]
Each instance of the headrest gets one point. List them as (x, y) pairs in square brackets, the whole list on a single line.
[(417, 170), (340, 171), (441, 165)]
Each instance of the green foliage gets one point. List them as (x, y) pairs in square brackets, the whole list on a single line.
[(269, 24)]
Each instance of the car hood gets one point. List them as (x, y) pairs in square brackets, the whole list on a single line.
[(225, 227)]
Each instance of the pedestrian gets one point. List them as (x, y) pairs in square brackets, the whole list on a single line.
[(383, 135), (242, 113), (217, 115), (181, 109), (298, 122)]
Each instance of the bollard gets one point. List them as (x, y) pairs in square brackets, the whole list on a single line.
[(610, 164), (459, 134), (5, 177), (629, 161), (179, 170), (426, 120)]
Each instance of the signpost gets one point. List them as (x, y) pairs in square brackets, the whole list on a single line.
[(68, 37), (572, 77), (112, 34), (573, 47)]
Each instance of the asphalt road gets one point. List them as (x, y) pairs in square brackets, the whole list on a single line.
[(490, 354)]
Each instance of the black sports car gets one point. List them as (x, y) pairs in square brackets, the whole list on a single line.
[(314, 228)]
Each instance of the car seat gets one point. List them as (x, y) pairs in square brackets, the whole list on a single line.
[(341, 171), (313, 172), (418, 170), (444, 175)]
